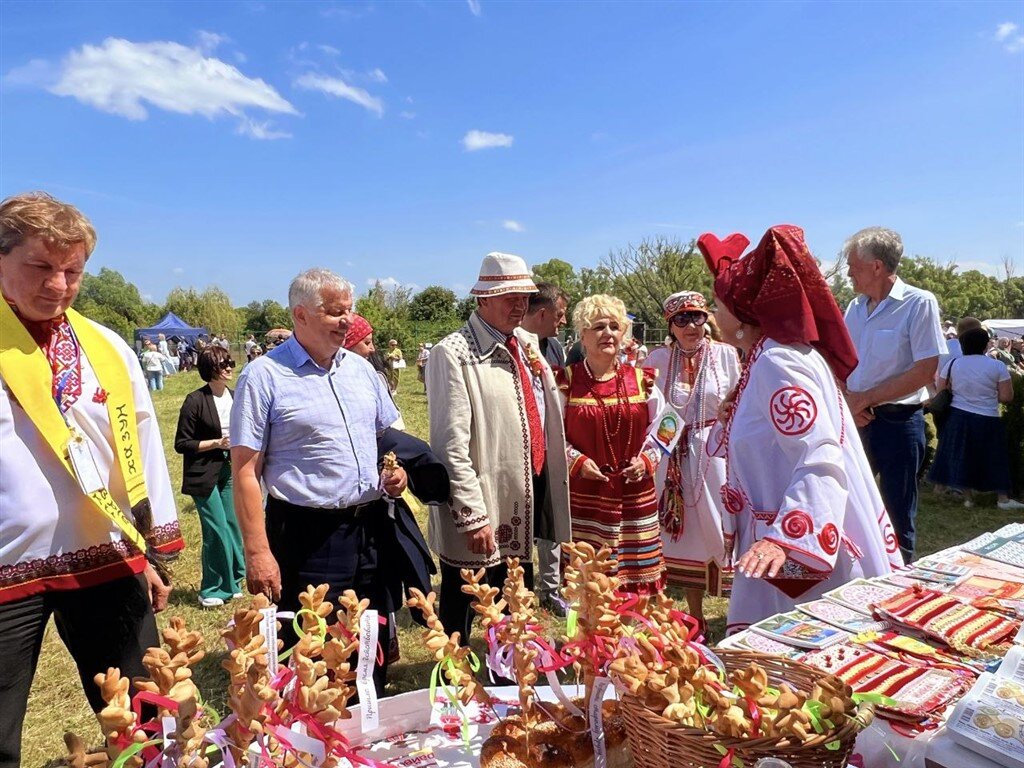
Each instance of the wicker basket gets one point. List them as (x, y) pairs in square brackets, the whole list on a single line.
[(658, 742)]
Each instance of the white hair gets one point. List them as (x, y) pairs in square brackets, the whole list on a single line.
[(876, 243), (307, 289)]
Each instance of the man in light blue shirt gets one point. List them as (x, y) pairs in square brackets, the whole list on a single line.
[(305, 420), (896, 330)]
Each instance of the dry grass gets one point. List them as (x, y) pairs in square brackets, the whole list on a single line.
[(58, 704)]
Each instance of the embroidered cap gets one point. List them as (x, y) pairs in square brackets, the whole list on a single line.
[(684, 301), (503, 273)]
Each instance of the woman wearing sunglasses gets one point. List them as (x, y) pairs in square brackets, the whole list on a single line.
[(696, 374), (202, 439)]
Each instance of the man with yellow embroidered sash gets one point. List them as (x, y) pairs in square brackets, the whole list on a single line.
[(87, 515)]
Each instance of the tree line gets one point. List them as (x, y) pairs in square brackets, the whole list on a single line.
[(641, 275)]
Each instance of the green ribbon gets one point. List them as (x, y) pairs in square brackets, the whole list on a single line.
[(132, 751), (321, 630)]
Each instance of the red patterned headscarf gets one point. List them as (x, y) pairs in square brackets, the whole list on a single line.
[(779, 287), (358, 329)]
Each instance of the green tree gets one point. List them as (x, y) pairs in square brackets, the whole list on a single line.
[(211, 309), (258, 317), (387, 310), (643, 275), (465, 308), (112, 301), (433, 304)]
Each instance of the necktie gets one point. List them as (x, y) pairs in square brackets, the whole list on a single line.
[(537, 450)]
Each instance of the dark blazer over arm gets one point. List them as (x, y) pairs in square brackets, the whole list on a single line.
[(197, 421)]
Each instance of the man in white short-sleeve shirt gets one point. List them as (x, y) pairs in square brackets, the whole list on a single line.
[(896, 329)]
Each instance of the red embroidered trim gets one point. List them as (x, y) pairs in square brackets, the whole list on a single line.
[(796, 524), (734, 499), (793, 411)]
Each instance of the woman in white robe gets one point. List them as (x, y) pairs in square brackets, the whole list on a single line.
[(695, 373), (808, 515)]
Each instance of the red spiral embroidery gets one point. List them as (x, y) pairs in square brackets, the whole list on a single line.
[(733, 498), (793, 410), (892, 544), (829, 539), (797, 524)]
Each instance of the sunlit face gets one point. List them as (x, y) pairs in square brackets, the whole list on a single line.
[(364, 347), (40, 282), (603, 338), (863, 272), (688, 336), (328, 323), (226, 371), (728, 324), (505, 312)]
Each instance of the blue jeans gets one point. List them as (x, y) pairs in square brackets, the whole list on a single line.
[(895, 445), (155, 379)]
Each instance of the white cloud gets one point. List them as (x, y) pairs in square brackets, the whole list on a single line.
[(476, 140), (256, 129), (1004, 30), (512, 225), (335, 86), (474, 7), (1008, 33), (377, 75), (207, 42), (390, 283), (126, 78), (406, 115), (330, 50), (178, 270)]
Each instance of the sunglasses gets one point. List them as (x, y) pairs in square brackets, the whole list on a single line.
[(683, 319), (227, 364)]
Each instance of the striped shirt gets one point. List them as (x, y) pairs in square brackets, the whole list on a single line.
[(317, 428)]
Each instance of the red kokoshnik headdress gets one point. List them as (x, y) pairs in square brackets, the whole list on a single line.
[(779, 287)]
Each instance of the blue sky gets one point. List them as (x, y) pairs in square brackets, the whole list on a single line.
[(233, 144)]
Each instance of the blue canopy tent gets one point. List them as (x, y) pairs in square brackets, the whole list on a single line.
[(170, 325)]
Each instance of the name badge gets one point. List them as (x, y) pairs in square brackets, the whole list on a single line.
[(84, 464)]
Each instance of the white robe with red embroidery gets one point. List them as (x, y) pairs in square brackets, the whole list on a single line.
[(798, 477)]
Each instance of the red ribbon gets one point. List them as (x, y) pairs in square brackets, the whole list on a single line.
[(726, 760)]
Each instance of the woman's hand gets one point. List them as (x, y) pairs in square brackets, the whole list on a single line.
[(590, 471), (636, 471), (764, 559)]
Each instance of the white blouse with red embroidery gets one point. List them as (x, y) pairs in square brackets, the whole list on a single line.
[(798, 477)]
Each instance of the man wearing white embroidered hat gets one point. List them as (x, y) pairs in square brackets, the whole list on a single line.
[(496, 424)]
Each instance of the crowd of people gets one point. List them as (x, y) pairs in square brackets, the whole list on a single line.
[(738, 459)]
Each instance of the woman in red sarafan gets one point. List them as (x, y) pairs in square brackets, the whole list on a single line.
[(609, 407)]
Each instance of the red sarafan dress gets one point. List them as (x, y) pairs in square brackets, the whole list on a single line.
[(607, 421)]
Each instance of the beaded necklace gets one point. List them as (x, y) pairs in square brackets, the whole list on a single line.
[(621, 400), (748, 364), (693, 410)]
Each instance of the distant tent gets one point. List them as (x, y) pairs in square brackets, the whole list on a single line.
[(170, 325), (1013, 329)]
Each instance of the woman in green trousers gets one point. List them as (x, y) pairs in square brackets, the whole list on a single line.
[(202, 439)]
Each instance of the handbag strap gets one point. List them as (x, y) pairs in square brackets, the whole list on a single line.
[(949, 375)]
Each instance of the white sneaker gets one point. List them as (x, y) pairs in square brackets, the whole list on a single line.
[(237, 596), (968, 504), (211, 602), (1010, 504)]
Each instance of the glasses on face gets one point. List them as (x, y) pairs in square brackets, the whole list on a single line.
[(683, 319), (227, 365)]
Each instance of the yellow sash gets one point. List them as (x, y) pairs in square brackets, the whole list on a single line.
[(27, 373)]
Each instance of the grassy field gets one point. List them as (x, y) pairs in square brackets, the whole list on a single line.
[(58, 704)]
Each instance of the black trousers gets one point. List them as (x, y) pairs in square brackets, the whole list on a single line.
[(340, 548), (456, 611), (109, 625)]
